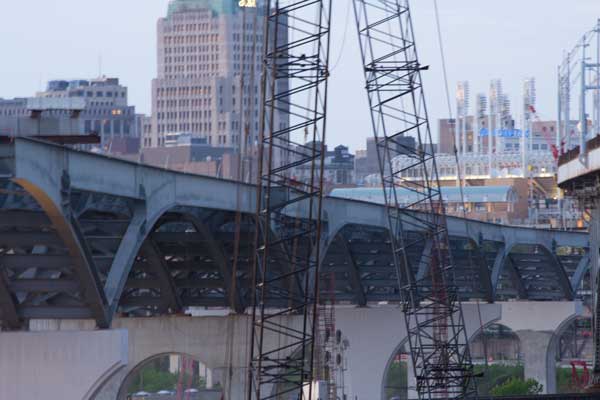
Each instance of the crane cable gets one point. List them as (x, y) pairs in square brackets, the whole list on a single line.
[(443, 56), (458, 169), (343, 45)]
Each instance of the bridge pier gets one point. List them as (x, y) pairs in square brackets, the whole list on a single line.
[(71, 360), (539, 326), (110, 389), (539, 357), (61, 364), (234, 380)]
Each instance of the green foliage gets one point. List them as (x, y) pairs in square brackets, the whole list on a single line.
[(151, 380), (496, 375), (155, 376), (495, 378), (563, 381), (517, 387), (396, 384)]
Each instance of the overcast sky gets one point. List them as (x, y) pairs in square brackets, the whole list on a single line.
[(484, 39)]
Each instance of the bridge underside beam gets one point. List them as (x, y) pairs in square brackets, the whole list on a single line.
[(354, 273), (170, 301), (8, 309), (232, 287)]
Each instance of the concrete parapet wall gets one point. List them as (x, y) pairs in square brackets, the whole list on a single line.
[(59, 365)]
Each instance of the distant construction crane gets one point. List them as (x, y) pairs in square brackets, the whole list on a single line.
[(437, 337)]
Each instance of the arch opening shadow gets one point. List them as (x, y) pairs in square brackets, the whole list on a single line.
[(171, 376), (395, 379), (497, 355), (574, 354)]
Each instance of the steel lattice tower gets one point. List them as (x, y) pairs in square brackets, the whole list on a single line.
[(436, 330), (289, 208)]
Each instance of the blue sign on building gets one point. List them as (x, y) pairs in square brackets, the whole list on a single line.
[(506, 133)]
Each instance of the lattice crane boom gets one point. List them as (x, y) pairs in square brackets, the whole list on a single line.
[(436, 330), (288, 242)]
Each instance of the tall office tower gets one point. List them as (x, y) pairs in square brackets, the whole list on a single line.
[(206, 50)]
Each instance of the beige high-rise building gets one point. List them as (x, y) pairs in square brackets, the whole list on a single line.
[(205, 47)]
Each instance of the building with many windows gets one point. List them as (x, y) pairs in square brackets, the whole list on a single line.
[(206, 51), (339, 168), (77, 107), (107, 112)]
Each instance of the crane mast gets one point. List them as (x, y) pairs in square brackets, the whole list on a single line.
[(288, 235), (435, 324)]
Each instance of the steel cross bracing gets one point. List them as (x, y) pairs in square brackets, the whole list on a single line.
[(433, 315), (292, 135)]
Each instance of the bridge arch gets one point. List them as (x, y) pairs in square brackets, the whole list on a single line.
[(571, 342), (186, 247), (496, 351), (367, 271), (478, 316), (533, 270), (398, 374), (177, 371), (219, 342), (76, 278)]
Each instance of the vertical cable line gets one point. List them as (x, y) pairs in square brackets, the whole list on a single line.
[(460, 180), (443, 57), (285, 282), (433, 316)]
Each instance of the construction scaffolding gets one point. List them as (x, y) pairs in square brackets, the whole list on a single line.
[(579, 79), (288, 246), (435, 325), (579, 74)]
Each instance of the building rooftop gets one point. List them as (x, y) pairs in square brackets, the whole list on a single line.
[(216, 6), (472, 194)]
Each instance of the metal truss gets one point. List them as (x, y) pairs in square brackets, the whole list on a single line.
[(432, 311), (47, 267), (186, 260), (292, 135)]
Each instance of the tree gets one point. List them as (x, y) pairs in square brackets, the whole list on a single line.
[(495, 375), (151, 380), (516, 387)]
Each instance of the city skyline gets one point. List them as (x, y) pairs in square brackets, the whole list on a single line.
[(123, 44)]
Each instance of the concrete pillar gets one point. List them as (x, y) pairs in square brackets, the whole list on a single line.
[(209, 378), (539, 357), (59, 365), (233, 382)]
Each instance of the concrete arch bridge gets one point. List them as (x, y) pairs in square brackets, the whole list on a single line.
[(88, 242)]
